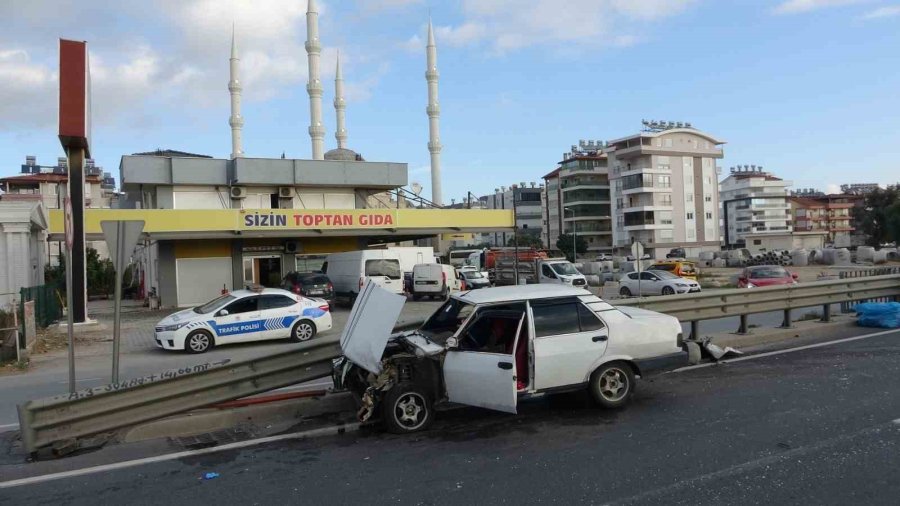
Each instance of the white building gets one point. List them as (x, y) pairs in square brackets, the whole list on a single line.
[(577, 197), (753, 202), (665, 189), (525, 201), (23, 241)]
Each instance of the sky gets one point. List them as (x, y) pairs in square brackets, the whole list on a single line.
[(808, 89)]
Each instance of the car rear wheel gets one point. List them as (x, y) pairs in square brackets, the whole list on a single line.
[(198, 341), (304, 330), (417, 296), (612, 384), (625, 292), (667, 290), (406, 408)]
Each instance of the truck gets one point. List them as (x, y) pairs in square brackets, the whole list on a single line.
[(537, 269), (410, 256)]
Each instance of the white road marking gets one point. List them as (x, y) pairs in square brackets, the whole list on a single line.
[(324, 431), (781, 352)]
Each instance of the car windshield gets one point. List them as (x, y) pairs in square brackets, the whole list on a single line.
[(687, 268), (446, 320), (665, 275), (312, 279), (768, 273), (385, 267), (662, 267), (564, 269), (212, 305), (472, 275)]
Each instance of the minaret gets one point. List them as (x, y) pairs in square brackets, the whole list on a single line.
[(434, 114), (234, 86), (340, 133), (314, 86)]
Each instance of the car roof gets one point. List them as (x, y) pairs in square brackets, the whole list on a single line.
[(265, 291), (519, 292), (758, 267)]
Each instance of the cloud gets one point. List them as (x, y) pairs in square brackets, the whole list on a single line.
[(509, 25), (800, 6), (381, 5), (29, 92), (882, 12), (832, 189)]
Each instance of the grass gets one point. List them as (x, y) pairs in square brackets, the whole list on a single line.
[(14, 365)]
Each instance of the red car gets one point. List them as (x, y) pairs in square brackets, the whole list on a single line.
[(765, 275)]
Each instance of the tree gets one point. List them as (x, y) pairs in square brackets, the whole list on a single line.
[(873, 216), (101, 275), (564, 244), (525, 241), (893, 222)]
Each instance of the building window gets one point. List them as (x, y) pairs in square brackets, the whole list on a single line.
[(663, 181), (757, 242), (666, 235), (690, 216), (708, 216), (665, 217), (689, 197), (708, 197), (666, 199), (663, 167)]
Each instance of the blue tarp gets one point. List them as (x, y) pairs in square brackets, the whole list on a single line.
[(878, 314)]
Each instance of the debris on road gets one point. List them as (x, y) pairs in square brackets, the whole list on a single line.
[(878, 314), (210, 476), (717, 352)]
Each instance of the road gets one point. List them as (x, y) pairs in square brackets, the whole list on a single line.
[(819, 426)]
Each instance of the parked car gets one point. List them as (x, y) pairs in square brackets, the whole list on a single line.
[(348, 271), (309, 284), (242, 316), (435, 281), (765, 275), (603, 257), (645, 256), (491, 347), (655, 283), (474, 279), (680, 268), (676, 253)]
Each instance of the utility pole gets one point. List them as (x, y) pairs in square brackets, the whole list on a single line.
[(574, 236)]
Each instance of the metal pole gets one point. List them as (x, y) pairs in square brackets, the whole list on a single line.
[(695, 330), (786, 322), (70, 322), (826, 313), (117, 322), (516, 245)]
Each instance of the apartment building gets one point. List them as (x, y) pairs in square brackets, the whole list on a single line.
[(526, 203), (665, 189), (815, 211), (577, 198), (48, 183), (753, 202)]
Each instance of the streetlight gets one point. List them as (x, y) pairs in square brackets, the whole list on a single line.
[(574, 235)]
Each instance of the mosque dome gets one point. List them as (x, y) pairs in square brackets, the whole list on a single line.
[(344, 155)]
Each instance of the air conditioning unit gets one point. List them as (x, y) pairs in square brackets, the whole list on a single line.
[(286, 192), (238, 192), (292, 247)]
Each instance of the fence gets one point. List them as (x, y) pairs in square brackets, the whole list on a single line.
[(847, 307), (47, 307)]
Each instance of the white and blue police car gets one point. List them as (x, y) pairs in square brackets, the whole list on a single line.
[(243, 316)]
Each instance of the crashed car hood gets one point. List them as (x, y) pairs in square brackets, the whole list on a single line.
[(370, 325)]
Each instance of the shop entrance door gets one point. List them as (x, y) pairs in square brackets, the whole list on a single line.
[(263, 270)]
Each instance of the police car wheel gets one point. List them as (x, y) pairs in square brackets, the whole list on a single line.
[(304, 330), (199, 341)]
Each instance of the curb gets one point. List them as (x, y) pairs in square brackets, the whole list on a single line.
[(764, 336)]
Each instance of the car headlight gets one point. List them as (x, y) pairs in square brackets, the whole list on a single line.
[(173, 328), (682, 285), (751, 285)]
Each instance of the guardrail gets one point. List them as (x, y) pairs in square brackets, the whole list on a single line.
[(65, 418), (742, 302)]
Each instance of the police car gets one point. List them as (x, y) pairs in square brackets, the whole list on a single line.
[(242, 316)]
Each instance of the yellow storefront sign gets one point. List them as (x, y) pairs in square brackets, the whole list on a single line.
[(226, 222), (293, 219)]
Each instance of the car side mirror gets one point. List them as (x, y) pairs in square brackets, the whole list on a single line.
[(452, 342), (223, 312)]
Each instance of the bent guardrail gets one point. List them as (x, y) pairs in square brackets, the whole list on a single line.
[(68, 417)]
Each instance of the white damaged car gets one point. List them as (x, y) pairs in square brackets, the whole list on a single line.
[(490, 347), (242, 316)]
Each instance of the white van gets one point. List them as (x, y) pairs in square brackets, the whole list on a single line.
[(434, 280), (349, 271), (410, 256)]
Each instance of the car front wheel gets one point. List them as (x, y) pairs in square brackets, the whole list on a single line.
[(406, 408), (625, 292), (304, 330), (199, 341), (667, 290), (612, 384)]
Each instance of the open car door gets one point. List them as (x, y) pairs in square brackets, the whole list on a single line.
[(481, 370), (370, 325)]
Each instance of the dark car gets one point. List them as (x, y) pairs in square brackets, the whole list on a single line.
[(309, 284)]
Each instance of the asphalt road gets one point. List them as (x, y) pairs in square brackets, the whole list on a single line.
[(819, 426)]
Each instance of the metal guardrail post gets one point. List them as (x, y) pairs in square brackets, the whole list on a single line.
[(742, 329), (695, 330), (786, 322), (826, 313)]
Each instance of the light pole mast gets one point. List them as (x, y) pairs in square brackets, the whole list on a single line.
[(574, 236)]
